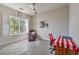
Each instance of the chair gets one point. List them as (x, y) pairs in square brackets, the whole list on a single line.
[(74, 44), (51, 42), (32, 35)]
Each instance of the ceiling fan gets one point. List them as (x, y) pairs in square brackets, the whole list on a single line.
[(32, 6)]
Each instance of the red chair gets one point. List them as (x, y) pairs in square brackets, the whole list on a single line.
[(51, 41)]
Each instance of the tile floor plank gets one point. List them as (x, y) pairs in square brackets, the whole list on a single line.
[(38, 47)]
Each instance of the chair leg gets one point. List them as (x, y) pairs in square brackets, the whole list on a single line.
[(52, 50)]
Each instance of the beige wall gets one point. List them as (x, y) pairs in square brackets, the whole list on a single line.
[(58, 21), (74, 21), (0, 27), (5, 11)]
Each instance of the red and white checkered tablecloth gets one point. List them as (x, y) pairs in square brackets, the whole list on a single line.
[(66, 43)]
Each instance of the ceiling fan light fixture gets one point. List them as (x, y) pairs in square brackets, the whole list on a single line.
[(34, 11), (21, 9), (32, 6)]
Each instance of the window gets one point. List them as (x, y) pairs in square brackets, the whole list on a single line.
[(18, 25), (23, 26), (14, 25)]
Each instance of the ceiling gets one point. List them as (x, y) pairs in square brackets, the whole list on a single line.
[(40, 7)]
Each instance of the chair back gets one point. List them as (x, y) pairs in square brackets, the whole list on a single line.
[(66, 37), (51, 37)]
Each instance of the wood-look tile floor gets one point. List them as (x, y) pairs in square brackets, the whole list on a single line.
[(38, 47)]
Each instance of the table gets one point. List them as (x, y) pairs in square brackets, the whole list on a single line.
[(65, 46)]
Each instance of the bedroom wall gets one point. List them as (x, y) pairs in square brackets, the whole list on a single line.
[(74, 21), (58, 23), (4, 12), (0, 26)]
